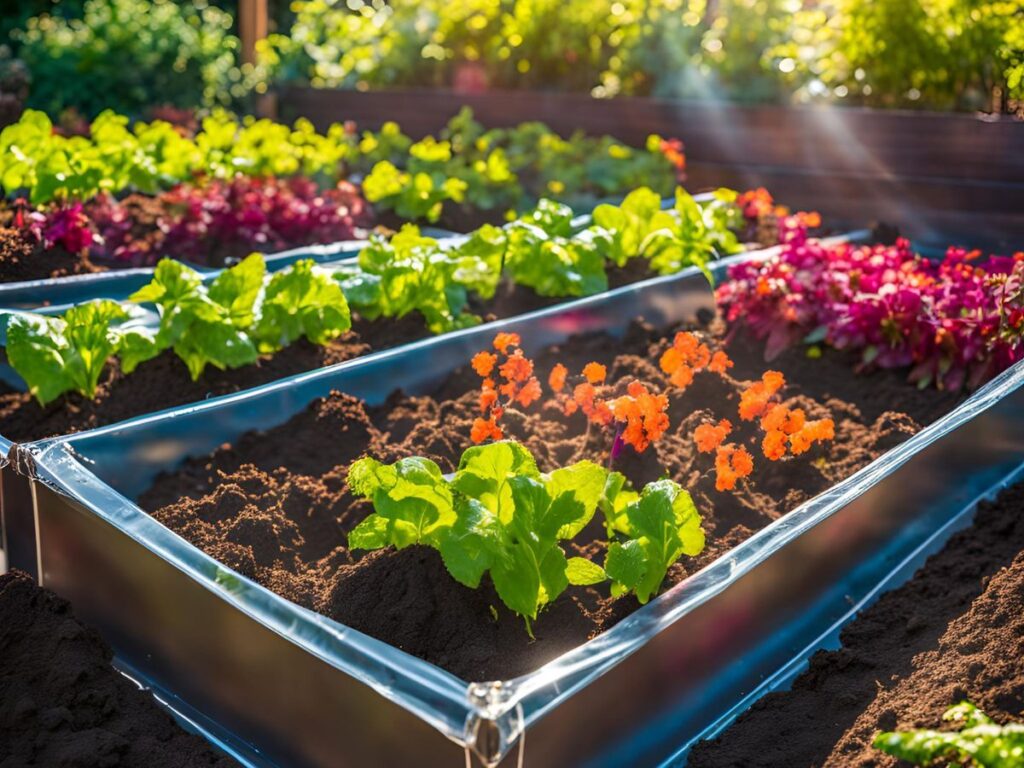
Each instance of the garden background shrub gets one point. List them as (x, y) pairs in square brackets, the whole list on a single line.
[(939, 54), (128, 55)]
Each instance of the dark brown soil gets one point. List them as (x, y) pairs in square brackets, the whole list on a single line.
[(22, 258), (62, 704), (454, 218), (164, 382), (275, 506), (953, 632)]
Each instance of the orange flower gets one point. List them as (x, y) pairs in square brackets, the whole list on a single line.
[(529, 393), (487, 398), (602, 413), (809, 219), (503, 341), (643, 414), (778, 417), (682, 376), (773, 380), (755, 399), (742, 462), (720, 362), (701, 357), (671, 359), (686, 356), (594, 373), (710, 436), (731, 463), (813, 432), (556, 380), (483, 363), (517, 368), (584, 395), (484, 429), (774, 444)]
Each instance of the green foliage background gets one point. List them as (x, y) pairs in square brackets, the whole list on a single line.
[(942, 54), (129, 54)]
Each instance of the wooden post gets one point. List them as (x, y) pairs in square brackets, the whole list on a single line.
[(252, 27)]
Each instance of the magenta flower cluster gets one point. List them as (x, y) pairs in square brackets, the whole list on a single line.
[(66, 226), (951, 323), (220, 220)]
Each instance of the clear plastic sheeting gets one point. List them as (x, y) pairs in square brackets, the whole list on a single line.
[(238, 652)]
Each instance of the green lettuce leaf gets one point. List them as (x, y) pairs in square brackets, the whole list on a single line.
[(663, 525), (412, 501), (302, 300), (55, 355)]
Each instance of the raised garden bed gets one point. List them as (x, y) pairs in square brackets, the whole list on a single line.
[(754, 587), (129, 196), (63, 704), (281, 517)]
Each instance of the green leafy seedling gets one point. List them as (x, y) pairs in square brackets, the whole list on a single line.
[(55, 355), (978, 741)]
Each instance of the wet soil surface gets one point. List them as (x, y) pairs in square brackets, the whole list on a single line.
[(275, 505), (62, 704), (164, 382), (955, 631), (23, 258)]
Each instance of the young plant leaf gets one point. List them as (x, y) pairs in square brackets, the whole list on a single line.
[(583, 573), (978, 741), (303, 300), (55, 355), (412, 501), (663, 525), (237, 289)]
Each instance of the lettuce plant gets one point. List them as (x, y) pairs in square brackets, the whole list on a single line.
[(55, 355), (149, 157), (657, 527), (688, 234), (411, 272), (500, 515), (241, 315), (978, 740), (418, 195)]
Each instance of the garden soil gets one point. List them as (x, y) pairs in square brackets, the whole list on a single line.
[(954, 632), (22, 258), (275, 505), (62, 704)]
